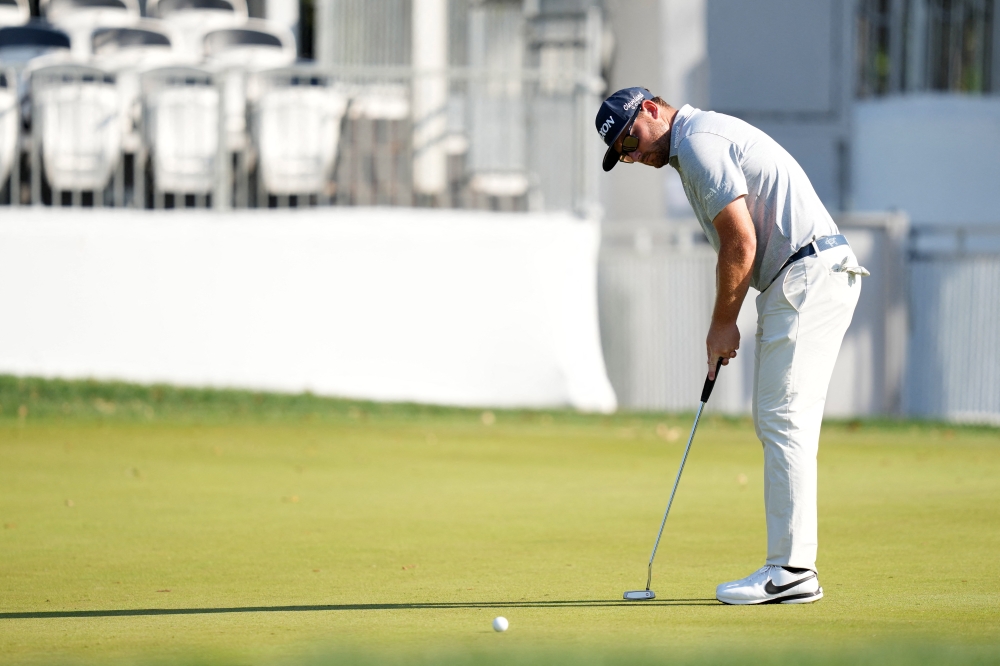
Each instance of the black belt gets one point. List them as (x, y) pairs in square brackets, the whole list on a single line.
[(824, 243)]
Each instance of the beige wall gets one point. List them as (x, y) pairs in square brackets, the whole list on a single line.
[(634, 192), (659, 44)]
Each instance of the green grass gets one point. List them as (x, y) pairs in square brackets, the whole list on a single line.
[(298, 529)]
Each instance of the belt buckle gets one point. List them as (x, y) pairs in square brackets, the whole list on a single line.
[(826, 243)]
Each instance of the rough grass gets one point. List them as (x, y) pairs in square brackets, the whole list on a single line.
[(156, 524)]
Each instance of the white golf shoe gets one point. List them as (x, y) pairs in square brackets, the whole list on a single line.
[(772, 585)]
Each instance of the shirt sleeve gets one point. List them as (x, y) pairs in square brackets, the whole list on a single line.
[(712, 165)]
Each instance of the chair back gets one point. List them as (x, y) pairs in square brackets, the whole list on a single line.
[(296, 121), (75, 115), (181, 119), (8, 123)]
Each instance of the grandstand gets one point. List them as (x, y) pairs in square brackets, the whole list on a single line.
[(196, 104)]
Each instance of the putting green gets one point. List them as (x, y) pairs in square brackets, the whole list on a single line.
[(149, 523)]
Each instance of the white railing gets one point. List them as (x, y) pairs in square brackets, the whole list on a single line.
[(954, 367)]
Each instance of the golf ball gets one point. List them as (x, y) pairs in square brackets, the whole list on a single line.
[(500, 624)]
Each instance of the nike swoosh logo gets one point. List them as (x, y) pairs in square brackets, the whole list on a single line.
[(771, 588)]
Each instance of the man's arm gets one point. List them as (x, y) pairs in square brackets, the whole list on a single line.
[(737, 248)]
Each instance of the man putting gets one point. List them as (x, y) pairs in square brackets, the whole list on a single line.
[(771, 232)]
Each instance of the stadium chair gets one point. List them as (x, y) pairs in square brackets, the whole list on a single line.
[(75, 126), (79, 17), (14, 12), (23, 43), (32, 45), (296, 127), (193, 18), (181, 129), (204, 13), (8, 127), (127, 51), (140, 44), (255, 45), (77, 13)]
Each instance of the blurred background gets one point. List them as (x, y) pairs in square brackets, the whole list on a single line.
[(402, 199)]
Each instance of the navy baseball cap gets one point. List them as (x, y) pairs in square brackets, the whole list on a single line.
[(616, 116)]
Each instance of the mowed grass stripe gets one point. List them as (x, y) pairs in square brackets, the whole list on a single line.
[(398, 532)]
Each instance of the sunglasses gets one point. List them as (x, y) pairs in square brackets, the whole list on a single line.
[(629, 144)]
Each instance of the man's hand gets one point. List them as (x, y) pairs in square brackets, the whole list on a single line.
[(722, 342), (737, 248)]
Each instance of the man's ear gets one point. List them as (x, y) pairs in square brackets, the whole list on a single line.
[(651, 108)]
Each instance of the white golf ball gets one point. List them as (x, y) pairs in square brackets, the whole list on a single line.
[(500, 624)]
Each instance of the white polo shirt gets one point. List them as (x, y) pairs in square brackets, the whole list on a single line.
[(720, 158)]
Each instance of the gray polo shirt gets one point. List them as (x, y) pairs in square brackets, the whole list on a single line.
[(720, 158)]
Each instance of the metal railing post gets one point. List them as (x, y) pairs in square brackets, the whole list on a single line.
[(36, 163), (15, 168), (222, 194)]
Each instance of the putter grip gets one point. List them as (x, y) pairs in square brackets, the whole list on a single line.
[(710, 383)]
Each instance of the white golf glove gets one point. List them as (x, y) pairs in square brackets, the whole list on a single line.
[(852, 271)]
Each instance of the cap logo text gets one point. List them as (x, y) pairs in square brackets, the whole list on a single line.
[(634, 102), (607, 124)]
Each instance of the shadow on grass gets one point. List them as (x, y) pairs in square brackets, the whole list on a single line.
[(144, 612)]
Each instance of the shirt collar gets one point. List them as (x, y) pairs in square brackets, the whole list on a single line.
[(677, 130)]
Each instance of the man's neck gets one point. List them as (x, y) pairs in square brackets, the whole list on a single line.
[(669, 115)]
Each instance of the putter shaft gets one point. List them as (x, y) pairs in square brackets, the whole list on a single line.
[(706, 392), (687, 449)]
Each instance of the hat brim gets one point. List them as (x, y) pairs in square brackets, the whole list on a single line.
[(612, 156)]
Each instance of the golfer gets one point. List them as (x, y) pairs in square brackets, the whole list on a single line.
[(771, 232)]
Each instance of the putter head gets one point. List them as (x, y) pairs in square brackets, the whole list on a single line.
[(640, 595)]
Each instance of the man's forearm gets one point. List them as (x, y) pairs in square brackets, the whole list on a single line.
[(732, 281), (737, 248)]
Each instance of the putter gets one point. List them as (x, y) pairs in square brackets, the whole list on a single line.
[(647, 594)]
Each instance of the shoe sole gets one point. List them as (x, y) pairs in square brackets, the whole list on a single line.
[(807, 598)]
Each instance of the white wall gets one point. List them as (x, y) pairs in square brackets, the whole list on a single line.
[(449, 307), (935, 157)]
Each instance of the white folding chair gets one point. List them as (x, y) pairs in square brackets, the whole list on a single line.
[(8, 126), (181, 126), (296, 127), (75, 122)]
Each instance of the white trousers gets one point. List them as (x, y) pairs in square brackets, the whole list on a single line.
[(801, 321)]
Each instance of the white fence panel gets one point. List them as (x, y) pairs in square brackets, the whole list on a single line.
[(655, 304), (954, 369)]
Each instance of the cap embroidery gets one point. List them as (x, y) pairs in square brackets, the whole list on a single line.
[(607, 124), (632, 103)]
